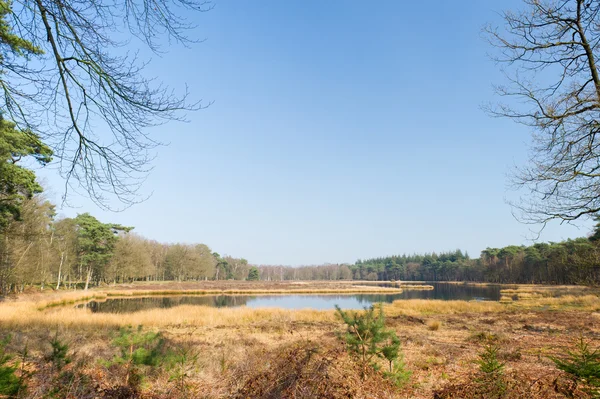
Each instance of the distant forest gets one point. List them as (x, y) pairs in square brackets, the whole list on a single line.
[(569, 262), (39, 250)]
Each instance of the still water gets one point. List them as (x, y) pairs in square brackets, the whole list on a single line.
[(444, 291)]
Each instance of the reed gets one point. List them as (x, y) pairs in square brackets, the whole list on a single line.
[(18, 315), (416, 287), (434, 325), (414, 307), (527, 292)]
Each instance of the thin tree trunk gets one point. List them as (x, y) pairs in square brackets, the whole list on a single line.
[(62, 258), (87, 280)]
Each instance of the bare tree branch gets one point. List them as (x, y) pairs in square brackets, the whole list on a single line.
[(83, 93), (550, 50)]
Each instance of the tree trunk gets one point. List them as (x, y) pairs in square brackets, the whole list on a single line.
[(62, 258), (87, 280)]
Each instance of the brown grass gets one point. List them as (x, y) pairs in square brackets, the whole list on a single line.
[(418, 307), (307, 369), (16, 315), (532, 291), (434, 325), (243, 349)]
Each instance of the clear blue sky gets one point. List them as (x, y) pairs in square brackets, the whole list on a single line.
[(339, 130)]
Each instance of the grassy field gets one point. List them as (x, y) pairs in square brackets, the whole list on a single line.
[(242, 352)]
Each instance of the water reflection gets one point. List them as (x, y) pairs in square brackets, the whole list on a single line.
[(444, 291), (452, 291), (129, 305)]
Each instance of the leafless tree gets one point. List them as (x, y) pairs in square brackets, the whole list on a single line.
[(550, 51), (77, 84)]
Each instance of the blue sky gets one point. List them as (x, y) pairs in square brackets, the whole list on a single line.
[(339, 130)]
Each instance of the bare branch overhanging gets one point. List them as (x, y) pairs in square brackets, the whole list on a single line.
[(80, 87), (551, 50)]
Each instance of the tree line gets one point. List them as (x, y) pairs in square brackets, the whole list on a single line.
[(36, 249), (39, 249), (574, 261)]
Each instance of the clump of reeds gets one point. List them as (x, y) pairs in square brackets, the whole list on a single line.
[(434, 325), (16, 315), (414, 307)]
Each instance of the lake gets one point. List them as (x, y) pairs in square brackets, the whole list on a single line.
[(443, 291)]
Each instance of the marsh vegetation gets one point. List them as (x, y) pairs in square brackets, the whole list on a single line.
[(193, 351)]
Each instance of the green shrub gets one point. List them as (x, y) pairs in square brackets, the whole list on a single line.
[(583, 365), (10, 384), (488, 361), (138, 348), (253, 274), (398, 373), (59, 354), (368, 341), (491, 381)]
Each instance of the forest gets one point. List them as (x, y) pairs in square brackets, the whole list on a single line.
[(38, 249), (575, 261)]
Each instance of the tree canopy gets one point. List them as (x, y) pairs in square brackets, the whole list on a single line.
[(16, 181)]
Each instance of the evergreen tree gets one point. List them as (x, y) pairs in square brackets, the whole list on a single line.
[(95, 242), (253, 274), (17, 182)]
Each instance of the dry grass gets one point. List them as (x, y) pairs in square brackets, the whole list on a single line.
[(532, 291), (434, 325), (16, 315), (307, 370), (416, 287), (566, 302), (418, 307), (237, 346)]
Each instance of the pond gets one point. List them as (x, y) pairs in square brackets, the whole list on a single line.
[(444, 291)]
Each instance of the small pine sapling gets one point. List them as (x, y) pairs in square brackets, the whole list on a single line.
[(367, 340), (10, 384), (583, 365), (59, 354), (492, 372), (183, 364), (137, 348), (488, 361)]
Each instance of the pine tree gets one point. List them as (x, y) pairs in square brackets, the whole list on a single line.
[(253, 274), (368, 340)]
